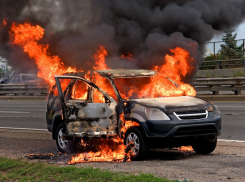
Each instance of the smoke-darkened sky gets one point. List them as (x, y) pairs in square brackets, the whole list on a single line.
[(146, 28)]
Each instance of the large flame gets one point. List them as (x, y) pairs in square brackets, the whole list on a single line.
[(175, 66), (111, 150), (27, 36)]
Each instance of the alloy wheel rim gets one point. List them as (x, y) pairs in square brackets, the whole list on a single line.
[(62, 143), (133, 138)]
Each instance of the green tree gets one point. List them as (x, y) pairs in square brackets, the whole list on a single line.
[(230, 49)]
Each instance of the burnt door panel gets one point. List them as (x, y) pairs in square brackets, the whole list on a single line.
[(95, 111)]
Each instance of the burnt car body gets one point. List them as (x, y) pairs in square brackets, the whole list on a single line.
[(163, 122)]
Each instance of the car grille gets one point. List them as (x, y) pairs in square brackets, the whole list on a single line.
[(197, 130), (201, 114)]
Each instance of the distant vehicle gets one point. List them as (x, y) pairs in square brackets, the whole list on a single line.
[(24, 78), (7, 77)]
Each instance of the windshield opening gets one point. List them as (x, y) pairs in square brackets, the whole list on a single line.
[(143, 87)]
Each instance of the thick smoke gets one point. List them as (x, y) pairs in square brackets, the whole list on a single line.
[(145, 28)]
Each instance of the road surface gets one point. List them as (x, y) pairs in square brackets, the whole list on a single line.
[(31, 114)]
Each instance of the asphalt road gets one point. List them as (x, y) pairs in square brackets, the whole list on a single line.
[(23, 114), (31, 114), (233, 120)]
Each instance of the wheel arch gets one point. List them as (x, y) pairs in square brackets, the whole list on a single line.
[(141, 127)]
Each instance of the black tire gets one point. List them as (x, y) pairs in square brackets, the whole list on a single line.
[(205, 147), (64, 146), (142, 151)]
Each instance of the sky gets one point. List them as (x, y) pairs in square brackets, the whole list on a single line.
[(240, 30)]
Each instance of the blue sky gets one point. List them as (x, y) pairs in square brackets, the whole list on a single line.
[(240, 30)]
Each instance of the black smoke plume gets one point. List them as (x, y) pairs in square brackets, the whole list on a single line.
[(145, 28)]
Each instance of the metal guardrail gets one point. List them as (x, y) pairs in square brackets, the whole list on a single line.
[(221, 64), (27, 88), (216, 85)]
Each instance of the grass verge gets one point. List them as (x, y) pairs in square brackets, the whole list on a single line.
[(19, 170)]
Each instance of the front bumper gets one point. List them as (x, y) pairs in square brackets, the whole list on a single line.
[(175, 132), (175, 128)]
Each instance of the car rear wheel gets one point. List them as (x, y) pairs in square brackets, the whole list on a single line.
[(205, 147), (139, 150), (64, 146)]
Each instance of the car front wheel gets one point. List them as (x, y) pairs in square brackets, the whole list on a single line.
[(205, 147), (139, 150), (64, 146)]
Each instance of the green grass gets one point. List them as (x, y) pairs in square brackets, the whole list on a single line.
[(19, 170)]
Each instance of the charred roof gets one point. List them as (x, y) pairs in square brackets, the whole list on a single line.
[(125, 73), (116, 73)]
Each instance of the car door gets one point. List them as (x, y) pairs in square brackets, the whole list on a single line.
[(92, 104)]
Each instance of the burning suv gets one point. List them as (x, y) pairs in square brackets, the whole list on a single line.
[(79, 109)]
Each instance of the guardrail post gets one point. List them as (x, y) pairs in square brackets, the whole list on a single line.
[(237, 89), (220, 67), (238, 92), (215, 92)]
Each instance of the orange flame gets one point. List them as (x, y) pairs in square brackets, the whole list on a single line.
[(27, 36), (185, 148), (111, 150), (127, 124), (99, 58), (174, 67), (5, 21)]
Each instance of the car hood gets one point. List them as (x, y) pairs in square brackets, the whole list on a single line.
[(171, 104)]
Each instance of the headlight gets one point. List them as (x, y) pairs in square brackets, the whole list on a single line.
[(155, 114), (216, 111)]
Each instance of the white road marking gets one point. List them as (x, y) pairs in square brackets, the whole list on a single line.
[(14, 112), (33, 129), (238, 141), (22, 117)]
